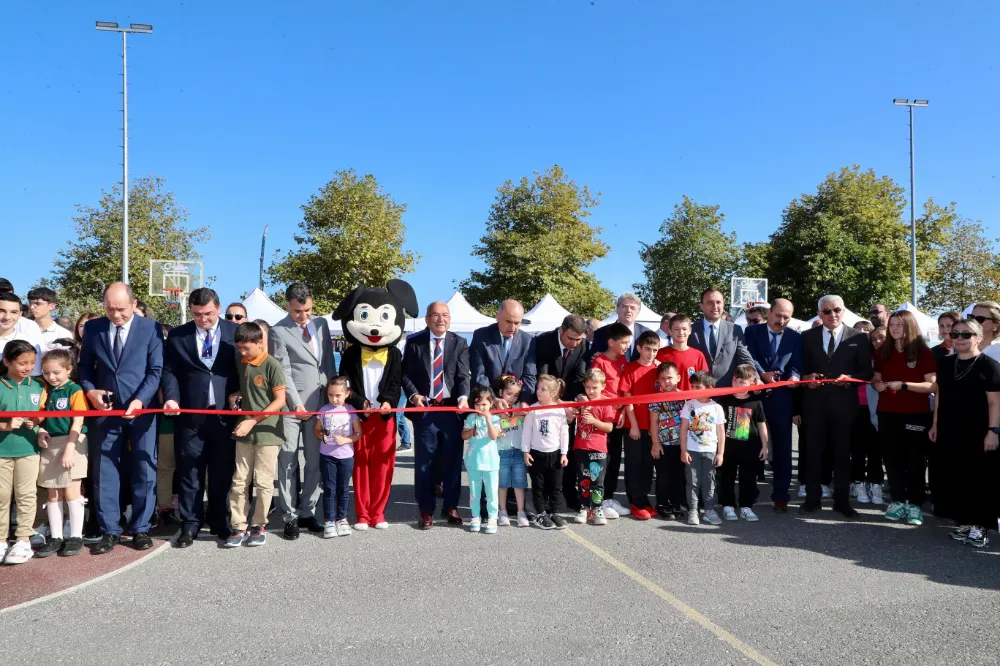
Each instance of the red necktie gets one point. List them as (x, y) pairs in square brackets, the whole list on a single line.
[(437, 389), (305, 334)]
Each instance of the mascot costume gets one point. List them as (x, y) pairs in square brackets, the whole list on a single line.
[(372, 321)]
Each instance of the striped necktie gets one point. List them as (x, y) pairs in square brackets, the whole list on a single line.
[(437, 367)]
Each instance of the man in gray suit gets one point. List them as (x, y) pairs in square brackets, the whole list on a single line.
[(720, 341), (302, 344)]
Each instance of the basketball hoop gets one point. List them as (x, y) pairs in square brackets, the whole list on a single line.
[(173, 297)]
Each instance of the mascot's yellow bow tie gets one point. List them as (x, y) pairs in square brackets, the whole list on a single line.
[(369, 355)]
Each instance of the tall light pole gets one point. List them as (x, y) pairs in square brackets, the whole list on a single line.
[(143, 28), (913, 219), (263, 241)]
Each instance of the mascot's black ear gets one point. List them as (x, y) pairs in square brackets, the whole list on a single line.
[(404, 293), (346, 307)]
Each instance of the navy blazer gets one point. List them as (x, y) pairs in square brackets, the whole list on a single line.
[(417, 366), (486, 359), (137, 375), (186, 379), (732, 350), (789, 358), (549, 361), (600, 341)]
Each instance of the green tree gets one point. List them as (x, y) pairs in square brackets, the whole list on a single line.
[(351, 233), (157, 230), (538, 241), (968, 270), (755, 259), (693, 253), (847, 239)]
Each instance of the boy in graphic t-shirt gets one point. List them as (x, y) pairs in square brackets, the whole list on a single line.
[(703, 446), (590, 448), (746, 446), (665, 435)]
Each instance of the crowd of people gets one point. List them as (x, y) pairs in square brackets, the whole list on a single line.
[(871, 403)]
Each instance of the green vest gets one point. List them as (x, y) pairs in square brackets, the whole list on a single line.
[(59, 401)]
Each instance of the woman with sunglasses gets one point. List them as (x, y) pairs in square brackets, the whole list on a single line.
[(987, 314), (965, 427), (905, 371), (236, 313)]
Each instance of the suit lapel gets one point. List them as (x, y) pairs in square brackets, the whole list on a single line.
[(296, 334), (106, 343), (130, 341)]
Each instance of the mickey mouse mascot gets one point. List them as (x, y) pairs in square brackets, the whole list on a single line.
[(372, 321)]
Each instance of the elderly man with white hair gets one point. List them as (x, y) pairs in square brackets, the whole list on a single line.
[(832, 351), (627, 308)]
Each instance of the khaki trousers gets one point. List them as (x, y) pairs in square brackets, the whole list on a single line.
[(18, 476), (255, 466)]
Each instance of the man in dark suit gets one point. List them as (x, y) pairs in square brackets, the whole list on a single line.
[(628, 309), (504, 349), (832, 351), (121, 362), (719, 340), (436, 373), (777, 356), (200, 370), (562, 353)]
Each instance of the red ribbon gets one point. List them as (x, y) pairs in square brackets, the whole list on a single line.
[(614, 402)]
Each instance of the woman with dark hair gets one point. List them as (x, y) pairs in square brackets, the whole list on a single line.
[(965, 428), (84, 318), (905, 371), (945, 322)]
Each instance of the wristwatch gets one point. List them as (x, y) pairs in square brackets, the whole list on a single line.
[(904, 387), (995, 430)]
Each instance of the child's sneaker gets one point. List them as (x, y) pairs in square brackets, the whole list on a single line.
[(581, 516), (619, 508), (522, 519), (914, 515), (236, 539), (638, 512), (609, 511), (729, 513), (712, 518), (693, 518), (665, 511), (20, 553), (958, 534), (863, 497), (802, 491), (361, 527), (329, 529), (599, 518), (491, 526), (827, 492), (343, 527), (475, 524), (896, 511), (382, 525), (503, 520), (875, 493), (747, 514), (51, 547), (557, 521), (544, 522), (977, 537), (257, 536)]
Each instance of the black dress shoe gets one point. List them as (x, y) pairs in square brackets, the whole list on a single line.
[(184, 540), (809, 508), (292, 530), (846, 510), (51, 547), (106, 544), (72, 547), (141, 541), (310, 524)]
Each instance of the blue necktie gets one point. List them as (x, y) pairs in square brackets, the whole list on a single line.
[(206, 351), (506, 349), (713, 341), (118, 346), (774, 347)]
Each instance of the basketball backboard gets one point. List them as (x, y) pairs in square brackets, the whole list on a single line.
[(744, 290), (166, 276)]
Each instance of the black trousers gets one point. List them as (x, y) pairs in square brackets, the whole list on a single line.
[(638, 469), (591, 467), (670, 482), (205, 452), (741, 461), (904, 439), (616, 440), (571, 475), (803, 473), (829, 430), (866, 449), (546, 481)]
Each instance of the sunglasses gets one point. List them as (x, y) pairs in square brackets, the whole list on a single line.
[(754, 321), (981, 319), (829, 311), (877, 312), (965, 335), (237, 317)]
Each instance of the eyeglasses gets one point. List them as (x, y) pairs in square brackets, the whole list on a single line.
[(981, 319), (828, 311), (237, 317), (965, 335)]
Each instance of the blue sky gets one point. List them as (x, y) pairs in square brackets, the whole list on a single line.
[(247, 109)]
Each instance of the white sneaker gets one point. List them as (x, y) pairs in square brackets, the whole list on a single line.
[(522, 519), (693, 518), (20, 553), (863, 494), (599, 518), (330, 530), (827, 492), (802, 491), (491, 526), (343, 527), (747, 514), (580, 518), (475, 524), (729, 513), (382, 525), (609, 510), (361, 527), (503, 520), (854, 488), (620, 509), (875, 493), (712, 518)]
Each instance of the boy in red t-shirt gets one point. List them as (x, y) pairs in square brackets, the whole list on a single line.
[(612, 363), (687, 360), (639, 378), (590, 448)]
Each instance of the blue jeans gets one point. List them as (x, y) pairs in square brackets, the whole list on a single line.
[(401, 426), (336, 474)]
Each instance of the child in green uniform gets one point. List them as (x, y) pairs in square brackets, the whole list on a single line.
[(258, 438), (18, 448), (63, 463)]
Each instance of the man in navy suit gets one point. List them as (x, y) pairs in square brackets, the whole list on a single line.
[(628, 307), (719, 340), (777, 355), (200, 370), (436, 373), (504, 349), (121, 362)]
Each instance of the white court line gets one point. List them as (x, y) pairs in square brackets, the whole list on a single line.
[(87, 583)]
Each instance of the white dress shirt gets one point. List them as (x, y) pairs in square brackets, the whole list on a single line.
[(52, 333), (313, 341), (447, 393), (202, 336), (371, 374), (838, 336), (113, 331)]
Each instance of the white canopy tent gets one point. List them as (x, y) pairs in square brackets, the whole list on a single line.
[(545, 316), (259, 306), (464, 317), (928, 325)]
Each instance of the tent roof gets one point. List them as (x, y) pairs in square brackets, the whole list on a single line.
[(259, 306), (464, 317), (546, 315), (928, 325)]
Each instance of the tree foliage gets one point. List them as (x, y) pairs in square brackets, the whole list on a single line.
[(968, 270), (692, 254), (538, 241), (156, 231), (351, 233)]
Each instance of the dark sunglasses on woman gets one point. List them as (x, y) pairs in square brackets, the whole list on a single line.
[(965, 335), (981, 319), (237, 317)]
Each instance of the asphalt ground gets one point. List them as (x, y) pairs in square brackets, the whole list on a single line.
[(786, 590)]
